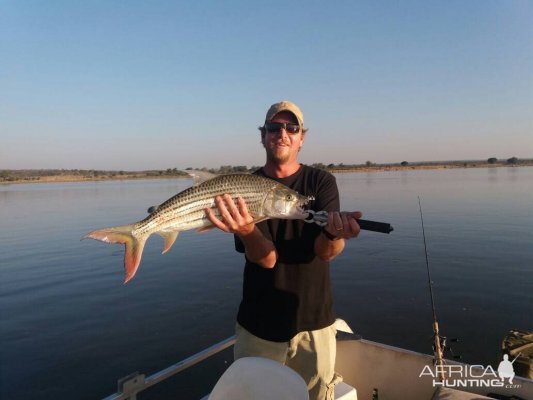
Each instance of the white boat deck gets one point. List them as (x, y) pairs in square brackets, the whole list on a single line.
[(395, 372), (364, 365)]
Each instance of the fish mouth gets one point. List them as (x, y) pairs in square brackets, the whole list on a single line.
[(306, 200), (303, 202)]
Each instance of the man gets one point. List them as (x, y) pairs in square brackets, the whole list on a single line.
[(286, 313)]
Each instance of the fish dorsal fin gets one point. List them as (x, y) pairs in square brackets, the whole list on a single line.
[(153, 209), (170, 238), (200, 176)]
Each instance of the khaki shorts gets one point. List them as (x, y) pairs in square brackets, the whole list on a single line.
[(310, 353)]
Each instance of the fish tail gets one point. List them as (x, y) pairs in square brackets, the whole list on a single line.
[(134, 246)]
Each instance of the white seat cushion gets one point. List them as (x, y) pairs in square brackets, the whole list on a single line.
[(259, 379)]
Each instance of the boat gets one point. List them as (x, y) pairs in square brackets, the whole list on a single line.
[(369, 369)]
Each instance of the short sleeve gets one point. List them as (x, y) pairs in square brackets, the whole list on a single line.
[(327, 195)]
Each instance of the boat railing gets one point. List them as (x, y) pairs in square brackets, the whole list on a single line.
[(129, 386)]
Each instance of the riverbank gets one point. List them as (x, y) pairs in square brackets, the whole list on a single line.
[(61, 176), (426, 167), (77, 178)]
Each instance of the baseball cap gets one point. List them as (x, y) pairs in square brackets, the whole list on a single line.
[(285, 106)]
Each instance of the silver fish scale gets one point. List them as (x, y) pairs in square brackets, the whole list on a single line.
[(186, 209)]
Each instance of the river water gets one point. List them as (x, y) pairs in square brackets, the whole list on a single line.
[(70, 328)]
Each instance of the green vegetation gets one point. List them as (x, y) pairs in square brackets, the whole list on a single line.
[(50, 175), (62, 175)]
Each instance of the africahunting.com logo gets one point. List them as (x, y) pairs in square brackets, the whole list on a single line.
[(457, 376)]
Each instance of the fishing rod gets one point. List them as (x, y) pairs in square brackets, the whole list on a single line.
[(438, 341), (519, 354)]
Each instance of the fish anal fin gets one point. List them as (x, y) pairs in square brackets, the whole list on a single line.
[(170, 238)]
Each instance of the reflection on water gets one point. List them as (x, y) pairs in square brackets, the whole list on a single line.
[(492, 174), (68, 322)]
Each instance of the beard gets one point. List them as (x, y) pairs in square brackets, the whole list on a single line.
[(279, 155)]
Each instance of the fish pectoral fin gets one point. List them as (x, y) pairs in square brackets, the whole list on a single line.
[(260, 219), (170, 238), (205, 228), (209, 227)]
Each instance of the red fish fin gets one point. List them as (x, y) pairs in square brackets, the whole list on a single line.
[(134, 246), (132, 258), (170, 238)]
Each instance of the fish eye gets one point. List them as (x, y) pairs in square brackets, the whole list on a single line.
[(288, 197)]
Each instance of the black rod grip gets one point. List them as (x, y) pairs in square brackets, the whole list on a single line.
[(374, 226)]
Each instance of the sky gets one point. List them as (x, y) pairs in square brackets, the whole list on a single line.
[(136, 85)]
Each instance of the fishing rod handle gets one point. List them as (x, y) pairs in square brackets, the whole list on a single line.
[(374, 226)]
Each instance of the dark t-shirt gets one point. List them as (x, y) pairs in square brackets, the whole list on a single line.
[(295, 295)]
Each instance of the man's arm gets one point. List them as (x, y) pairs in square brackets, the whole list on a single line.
[(340, 226), (259, 249), (235, 218)]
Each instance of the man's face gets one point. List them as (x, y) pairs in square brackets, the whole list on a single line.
[(283, 147)]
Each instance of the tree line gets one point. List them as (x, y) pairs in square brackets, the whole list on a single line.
[(7, 175)]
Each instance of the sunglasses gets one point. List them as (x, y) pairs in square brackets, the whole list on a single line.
[(275, 127)]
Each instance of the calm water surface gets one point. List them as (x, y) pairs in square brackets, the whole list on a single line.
[(70, 328)]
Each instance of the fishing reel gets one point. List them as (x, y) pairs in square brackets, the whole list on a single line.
[(445, 348)]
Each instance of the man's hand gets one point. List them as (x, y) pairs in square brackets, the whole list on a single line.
[(234, 218), (343, 224)]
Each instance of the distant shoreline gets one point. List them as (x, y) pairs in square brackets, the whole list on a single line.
[(73, 179), (65, 177), (427, 167)]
